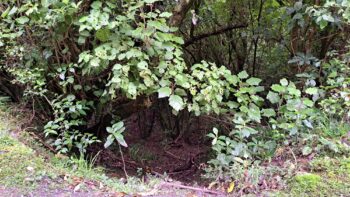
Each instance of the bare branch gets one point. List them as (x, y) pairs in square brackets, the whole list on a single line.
[(213, 33)]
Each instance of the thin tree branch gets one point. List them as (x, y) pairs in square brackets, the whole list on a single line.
[(256, 42), (213, 33)]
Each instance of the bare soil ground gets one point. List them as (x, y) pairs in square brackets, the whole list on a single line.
[(159, 154)]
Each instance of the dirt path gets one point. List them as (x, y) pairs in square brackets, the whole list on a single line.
[(44, 191)]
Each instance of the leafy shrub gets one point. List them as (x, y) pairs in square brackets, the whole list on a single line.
[(337, 86), (90, 64), (68, 117), (114, 53), (295, 119)]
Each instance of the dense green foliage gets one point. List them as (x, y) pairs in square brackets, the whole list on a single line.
[(274, 73)]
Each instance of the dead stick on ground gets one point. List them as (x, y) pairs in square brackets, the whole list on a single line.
[(179, 172), (295, 159), (192, 188), (174, 156), (42, 142)]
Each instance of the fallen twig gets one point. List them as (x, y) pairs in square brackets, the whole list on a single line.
[(35, 136), (174, 156), (179, 172), (192, 188)]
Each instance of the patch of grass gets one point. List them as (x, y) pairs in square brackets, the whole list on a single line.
[(79, 167), (334, 128), (18, 164), (339, 166), (21, 168), (308, 182), (329, 177), (24, 165), (6, 123)]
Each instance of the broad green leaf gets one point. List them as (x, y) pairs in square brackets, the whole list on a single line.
[(182, 80), (180, 92), (294, 91), (278, 88), (70, 80), (142, 65), (165, 14), (268, 112), (109, 141), (45, 3), (273, 97), (308, 102), (214, 141), (77, 87), (13, 11), (293, 130), (132, 89), (243, 75), (233, 79), (253, 81), (5, 13), (211, 135), (176, 102), (298, 5), (254, 113), (118, 126), (102, 34), (158, 25), (284, 82), (311, 91), (22, 20), (95, 62), (247, 131), (323, 24), (121, 140), (308, 124), (164, 92), (215, 131), (328, 18), (178, 40), (96, 5), (232, 105)]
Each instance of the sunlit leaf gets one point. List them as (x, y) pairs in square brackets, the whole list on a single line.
[(164, 92), (176, 102)]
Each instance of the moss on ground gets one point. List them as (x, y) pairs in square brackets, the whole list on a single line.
[(328, 177), (308, 182), (17, 163), (20, 167)]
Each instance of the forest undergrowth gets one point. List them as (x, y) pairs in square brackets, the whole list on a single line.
[(211, 97)]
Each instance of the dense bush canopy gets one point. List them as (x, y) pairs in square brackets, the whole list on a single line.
[(271, 72)]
